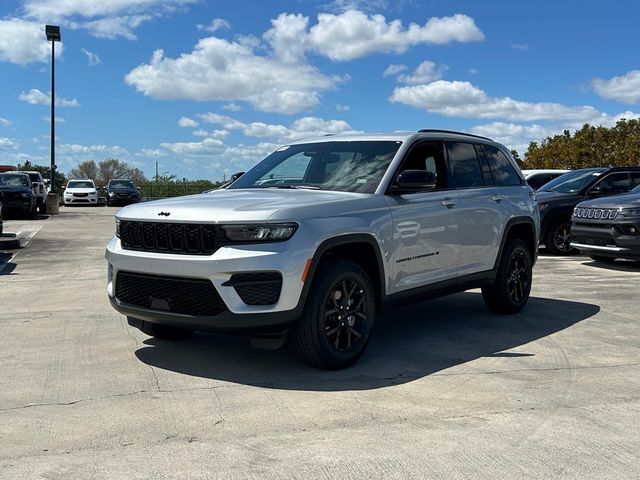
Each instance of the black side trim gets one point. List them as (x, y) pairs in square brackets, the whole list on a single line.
[(510, 224), (337, 241)]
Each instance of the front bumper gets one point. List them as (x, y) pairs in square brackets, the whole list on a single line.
[(606, 239), (217, 268)]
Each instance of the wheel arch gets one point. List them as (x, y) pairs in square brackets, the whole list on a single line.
[(362, 249), (523, 228)]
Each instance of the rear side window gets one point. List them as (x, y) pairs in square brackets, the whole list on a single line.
[(465, 167), (503, 171)]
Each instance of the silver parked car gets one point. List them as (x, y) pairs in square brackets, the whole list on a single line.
[(324, 233)]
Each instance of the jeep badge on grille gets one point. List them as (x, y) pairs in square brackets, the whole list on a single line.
[(164, 214)]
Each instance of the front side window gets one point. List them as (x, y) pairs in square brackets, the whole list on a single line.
[(618, 182), (356, 166), (465, 167), (80, 184), (428, 157)]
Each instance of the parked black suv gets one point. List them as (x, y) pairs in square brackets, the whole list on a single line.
[(19, 194), (122, 192), (557, 199), (608, 228)]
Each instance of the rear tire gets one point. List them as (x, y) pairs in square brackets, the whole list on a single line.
[(600, 258), (338, 317), (558, 238), (164, 332), (510, 292)]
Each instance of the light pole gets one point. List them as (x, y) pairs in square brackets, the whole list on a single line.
[(53, 36)]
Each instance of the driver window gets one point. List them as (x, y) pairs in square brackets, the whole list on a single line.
[(427, 156), (612, 184)]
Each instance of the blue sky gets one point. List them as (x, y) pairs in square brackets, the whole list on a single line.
[(207, 88)]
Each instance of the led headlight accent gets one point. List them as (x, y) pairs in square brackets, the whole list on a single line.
[(276, 232), (631, 212), (117, 228)]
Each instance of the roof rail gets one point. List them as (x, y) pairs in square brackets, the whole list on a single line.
[(433, 130)]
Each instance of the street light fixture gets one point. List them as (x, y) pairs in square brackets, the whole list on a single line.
[(53, 36)]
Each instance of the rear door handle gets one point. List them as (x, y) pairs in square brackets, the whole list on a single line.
[(497, 198), (448, 202)]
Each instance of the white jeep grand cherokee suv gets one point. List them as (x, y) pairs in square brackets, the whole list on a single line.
[(324, 233)]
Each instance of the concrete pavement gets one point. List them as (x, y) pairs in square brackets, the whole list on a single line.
[(446, 389)]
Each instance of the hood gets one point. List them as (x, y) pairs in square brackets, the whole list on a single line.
[(545, 197), (80, 190), (626, 200), (11, 188), (254, 205)]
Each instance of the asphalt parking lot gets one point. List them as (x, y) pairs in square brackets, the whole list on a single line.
[(445, 390)]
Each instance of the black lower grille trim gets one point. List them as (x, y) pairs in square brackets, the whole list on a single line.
[(183, 296), (257, 288)]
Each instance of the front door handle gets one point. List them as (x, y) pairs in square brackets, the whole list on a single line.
[(497, 198), (448, 202)]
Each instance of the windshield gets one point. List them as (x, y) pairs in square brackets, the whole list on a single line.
[(117, 184), (572, 182), (13, 180), (80, 184), (341, 166)]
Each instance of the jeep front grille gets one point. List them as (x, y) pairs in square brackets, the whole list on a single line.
[(595, 213), (184, 296), (179, 238)]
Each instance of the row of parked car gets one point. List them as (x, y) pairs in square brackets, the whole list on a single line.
[(24, 193), (592, 210), (84, 192)]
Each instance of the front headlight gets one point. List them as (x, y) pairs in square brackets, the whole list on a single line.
[(117, 228), (93, 193), (25, 194), (630, 212), (111, 194), (276, 232)]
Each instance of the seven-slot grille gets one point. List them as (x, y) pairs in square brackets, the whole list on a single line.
[(595, 213), (180, 238), (175, 295)]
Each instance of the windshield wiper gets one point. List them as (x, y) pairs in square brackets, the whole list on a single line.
[(295, 186)]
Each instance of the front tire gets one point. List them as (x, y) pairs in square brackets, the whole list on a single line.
[(338, 317), (510, 292), (558, 238)]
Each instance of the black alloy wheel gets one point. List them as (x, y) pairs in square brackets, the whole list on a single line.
[(558, 241), (511, 289), (338, 317)]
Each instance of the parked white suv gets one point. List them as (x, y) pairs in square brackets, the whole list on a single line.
[(81, 192), (324, 233)]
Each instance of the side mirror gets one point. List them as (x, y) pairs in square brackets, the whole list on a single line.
[(415, 180), (597, 191)]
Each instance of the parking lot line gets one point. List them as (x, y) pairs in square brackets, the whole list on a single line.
[(25, 234)]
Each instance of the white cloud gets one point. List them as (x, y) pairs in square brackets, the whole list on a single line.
[(515, 136), (102, 150), (208, 146), (215, 25), (57, 119), (367, 5), (221, 70), (520, 46), (23, 42), (343, 108), (474, 71), (232, 107), (462, 99), (7, 143), (426, 72), (106, 19), (354, 34), (219, 134), (301, 128), (187, 122), (38, 97), (287, 37), (92, 58), (393, 69), (5, 123), (624, 88)]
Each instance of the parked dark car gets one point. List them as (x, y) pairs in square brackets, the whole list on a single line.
[(122, 192), (18, 194), (608, 228), (557, 199)]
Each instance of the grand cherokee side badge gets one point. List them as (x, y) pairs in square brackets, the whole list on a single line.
[(164, 214)]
